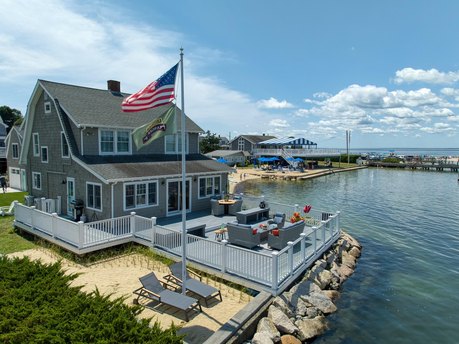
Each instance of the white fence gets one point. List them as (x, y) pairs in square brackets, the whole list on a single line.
[(275, 270)]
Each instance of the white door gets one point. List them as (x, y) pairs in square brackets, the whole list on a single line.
[(15, 178), (70, 195), (174, 197)]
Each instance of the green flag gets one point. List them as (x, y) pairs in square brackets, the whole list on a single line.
[(159, 127)]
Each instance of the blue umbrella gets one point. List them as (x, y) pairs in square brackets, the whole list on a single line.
[(222, 160), (263, 159)]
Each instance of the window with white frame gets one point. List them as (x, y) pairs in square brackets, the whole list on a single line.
[(36, 180), (47, 107), (64, 146), (173, 143), (94, 196), (114, 141), (140, 195), (240, 144), (209, 186), (36, 144), (44, 154), (15, 152)]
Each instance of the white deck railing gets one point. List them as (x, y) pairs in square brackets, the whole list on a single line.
[(273, 269), (314, 152)]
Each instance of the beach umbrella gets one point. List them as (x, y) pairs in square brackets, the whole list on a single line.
[(222, 160)]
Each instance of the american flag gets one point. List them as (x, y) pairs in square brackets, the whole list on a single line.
[(157, 93)]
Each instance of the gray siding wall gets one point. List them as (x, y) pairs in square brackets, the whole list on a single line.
[(14, 138)]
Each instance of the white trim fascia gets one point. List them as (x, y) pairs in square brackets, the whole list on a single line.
[(165, 176)]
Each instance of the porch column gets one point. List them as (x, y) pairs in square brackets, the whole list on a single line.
[(132, 222), (153, 230), (275, 271), (290, 257)]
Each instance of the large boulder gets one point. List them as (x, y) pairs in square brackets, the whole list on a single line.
[(266, 325), (281, 303), (355, 252), (321, 301), (281, 321), (289, 339), (324, 279), (348, 260), (302, 307), (342, 270), (262, 338), (353, 242), (332, 294), (311, 328), (303, 288)]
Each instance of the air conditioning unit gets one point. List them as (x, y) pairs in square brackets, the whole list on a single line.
[(28, 200)]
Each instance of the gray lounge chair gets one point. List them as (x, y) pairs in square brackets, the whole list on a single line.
[(217, 209), (278, 219), (197, 287), (153, 289)]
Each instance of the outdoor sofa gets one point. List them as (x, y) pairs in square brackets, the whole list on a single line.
[(290, 232), (242, 235)]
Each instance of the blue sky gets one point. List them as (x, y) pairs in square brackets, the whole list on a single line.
[(388, 70)]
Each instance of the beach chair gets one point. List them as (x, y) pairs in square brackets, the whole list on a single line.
[(155, 290), (193, 285), (7, 210)]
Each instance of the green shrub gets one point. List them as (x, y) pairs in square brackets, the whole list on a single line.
[(38, 305)]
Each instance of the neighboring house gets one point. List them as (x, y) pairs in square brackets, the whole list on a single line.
[(223, 143), (247, 142), (232, 157), (3, 134), (16, 172), (77, 147)]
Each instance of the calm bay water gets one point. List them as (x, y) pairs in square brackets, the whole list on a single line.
[(406, 285)]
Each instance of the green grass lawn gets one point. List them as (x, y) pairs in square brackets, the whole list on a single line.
[(10, 241)]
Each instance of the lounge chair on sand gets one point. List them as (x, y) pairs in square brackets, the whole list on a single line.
[(197, 287), (154, 290)]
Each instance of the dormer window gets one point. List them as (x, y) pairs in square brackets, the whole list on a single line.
[(114, 142), (47, 107)]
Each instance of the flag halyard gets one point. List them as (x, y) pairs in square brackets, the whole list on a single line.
[(159, 92)]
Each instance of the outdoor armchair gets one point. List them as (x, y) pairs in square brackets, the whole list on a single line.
[(242, 235), (290, 232), (155, 290), (193, 285), (7, 210), (217, 209), (278, 219)]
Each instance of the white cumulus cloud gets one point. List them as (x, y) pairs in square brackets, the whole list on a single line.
[(432, 76), (273, 103)]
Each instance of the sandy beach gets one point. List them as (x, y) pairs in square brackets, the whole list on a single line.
[(120, 277)]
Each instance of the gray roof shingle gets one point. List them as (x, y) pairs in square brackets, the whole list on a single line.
[(101, 108)]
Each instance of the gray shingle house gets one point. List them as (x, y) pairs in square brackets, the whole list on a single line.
[(77, 147), (16, 175), (247, 142)]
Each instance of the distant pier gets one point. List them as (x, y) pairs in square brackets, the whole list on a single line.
[(417, 166)]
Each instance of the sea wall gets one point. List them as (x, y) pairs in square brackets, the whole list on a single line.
[(299, 314)]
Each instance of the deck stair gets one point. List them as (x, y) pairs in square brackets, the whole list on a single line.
[(289, 158)]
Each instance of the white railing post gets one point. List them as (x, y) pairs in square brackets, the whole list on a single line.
[(32, 213), (132, 222), (323, 224), (303, 246), (314, 239), (80, 234), (224, 255), (54, 224), (275, 272), (153, 230), (290, 257), (338, 216), (43, 204), (297, 207)]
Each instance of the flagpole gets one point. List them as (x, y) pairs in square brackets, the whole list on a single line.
[(183, 127)]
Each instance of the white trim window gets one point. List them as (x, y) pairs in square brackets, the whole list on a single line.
[(140, 195), (240, 144), (94, 196), (114, 142), (65, 152), (47, 107), (15, 151), (44, 154), (36, 144), (36, 180), (173, 143), (209, 186)]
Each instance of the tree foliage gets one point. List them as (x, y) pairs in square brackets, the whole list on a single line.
[(10, 116), (209, 143), (37, 305)]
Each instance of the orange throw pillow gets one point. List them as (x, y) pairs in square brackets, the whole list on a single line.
[(275, 232)]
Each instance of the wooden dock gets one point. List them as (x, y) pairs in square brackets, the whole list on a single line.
[(417, 166)]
